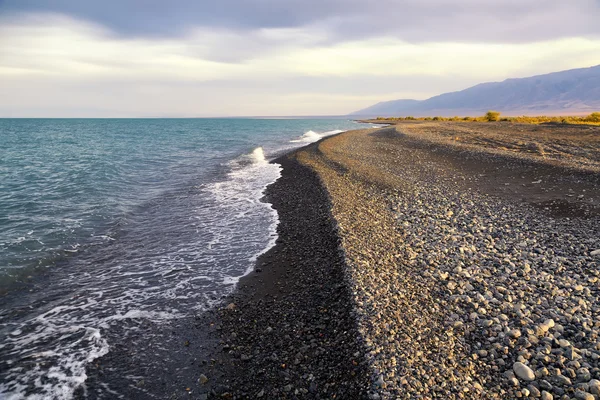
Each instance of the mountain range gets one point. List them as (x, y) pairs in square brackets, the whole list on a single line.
[(576, 91)]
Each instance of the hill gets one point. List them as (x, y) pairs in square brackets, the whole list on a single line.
[(575, 91)]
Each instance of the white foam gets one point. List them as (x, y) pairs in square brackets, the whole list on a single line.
[(312, 136), (69, 373), (242, 194), (258, 155), (149, 315)]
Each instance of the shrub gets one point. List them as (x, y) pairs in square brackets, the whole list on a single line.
[(593, 117), (491, 116)]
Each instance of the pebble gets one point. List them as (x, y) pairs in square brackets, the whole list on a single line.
[(461, 286), (523, 371), (584, 396), (547, 395), (594, 386)]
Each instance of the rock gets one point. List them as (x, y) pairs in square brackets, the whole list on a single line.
[(594, 386), (547, 325), (571, 354), (564, 343), (203, 379), (584, 395), (595, 253), (544, 384), (542, 372), (523, 371), (562, 380), (287, 388), (547, 396), (261, 393), (533, 391), (583, 375), (230, 307), (514, 333)]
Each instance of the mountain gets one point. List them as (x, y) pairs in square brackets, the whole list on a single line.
[(565, 92)]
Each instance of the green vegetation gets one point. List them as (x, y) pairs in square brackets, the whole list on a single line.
[(494, 116)]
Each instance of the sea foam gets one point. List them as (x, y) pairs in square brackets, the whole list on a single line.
[(312, 136)]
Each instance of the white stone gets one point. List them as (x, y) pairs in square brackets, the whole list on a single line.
[(547, 396), (523, 371)]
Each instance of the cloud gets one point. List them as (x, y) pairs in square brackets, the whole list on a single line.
[(409, 20), (54, 64)]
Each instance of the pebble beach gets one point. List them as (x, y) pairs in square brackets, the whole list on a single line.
[(462, 273)]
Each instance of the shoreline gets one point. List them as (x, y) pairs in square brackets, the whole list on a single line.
[(411, 302), (288, 330)]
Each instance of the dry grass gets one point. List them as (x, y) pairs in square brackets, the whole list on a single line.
[(592, 119)]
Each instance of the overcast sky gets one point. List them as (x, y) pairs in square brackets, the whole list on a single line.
[(188, 58)]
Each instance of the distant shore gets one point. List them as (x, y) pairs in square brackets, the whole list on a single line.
[(425, 260)]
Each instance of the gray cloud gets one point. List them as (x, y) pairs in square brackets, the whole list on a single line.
[(410, 20)]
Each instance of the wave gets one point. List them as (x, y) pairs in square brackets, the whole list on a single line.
[(251, 220), (312, 136), (219, 231), (258, 155)]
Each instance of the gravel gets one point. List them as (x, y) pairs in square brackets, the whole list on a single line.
[(462, 288), (289, 331)]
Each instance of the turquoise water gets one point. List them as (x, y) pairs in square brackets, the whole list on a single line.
[(107, 222)]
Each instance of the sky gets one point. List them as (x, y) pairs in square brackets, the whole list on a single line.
[(201, 58)]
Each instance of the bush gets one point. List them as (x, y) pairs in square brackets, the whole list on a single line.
[(491, 116), (593, 117)]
